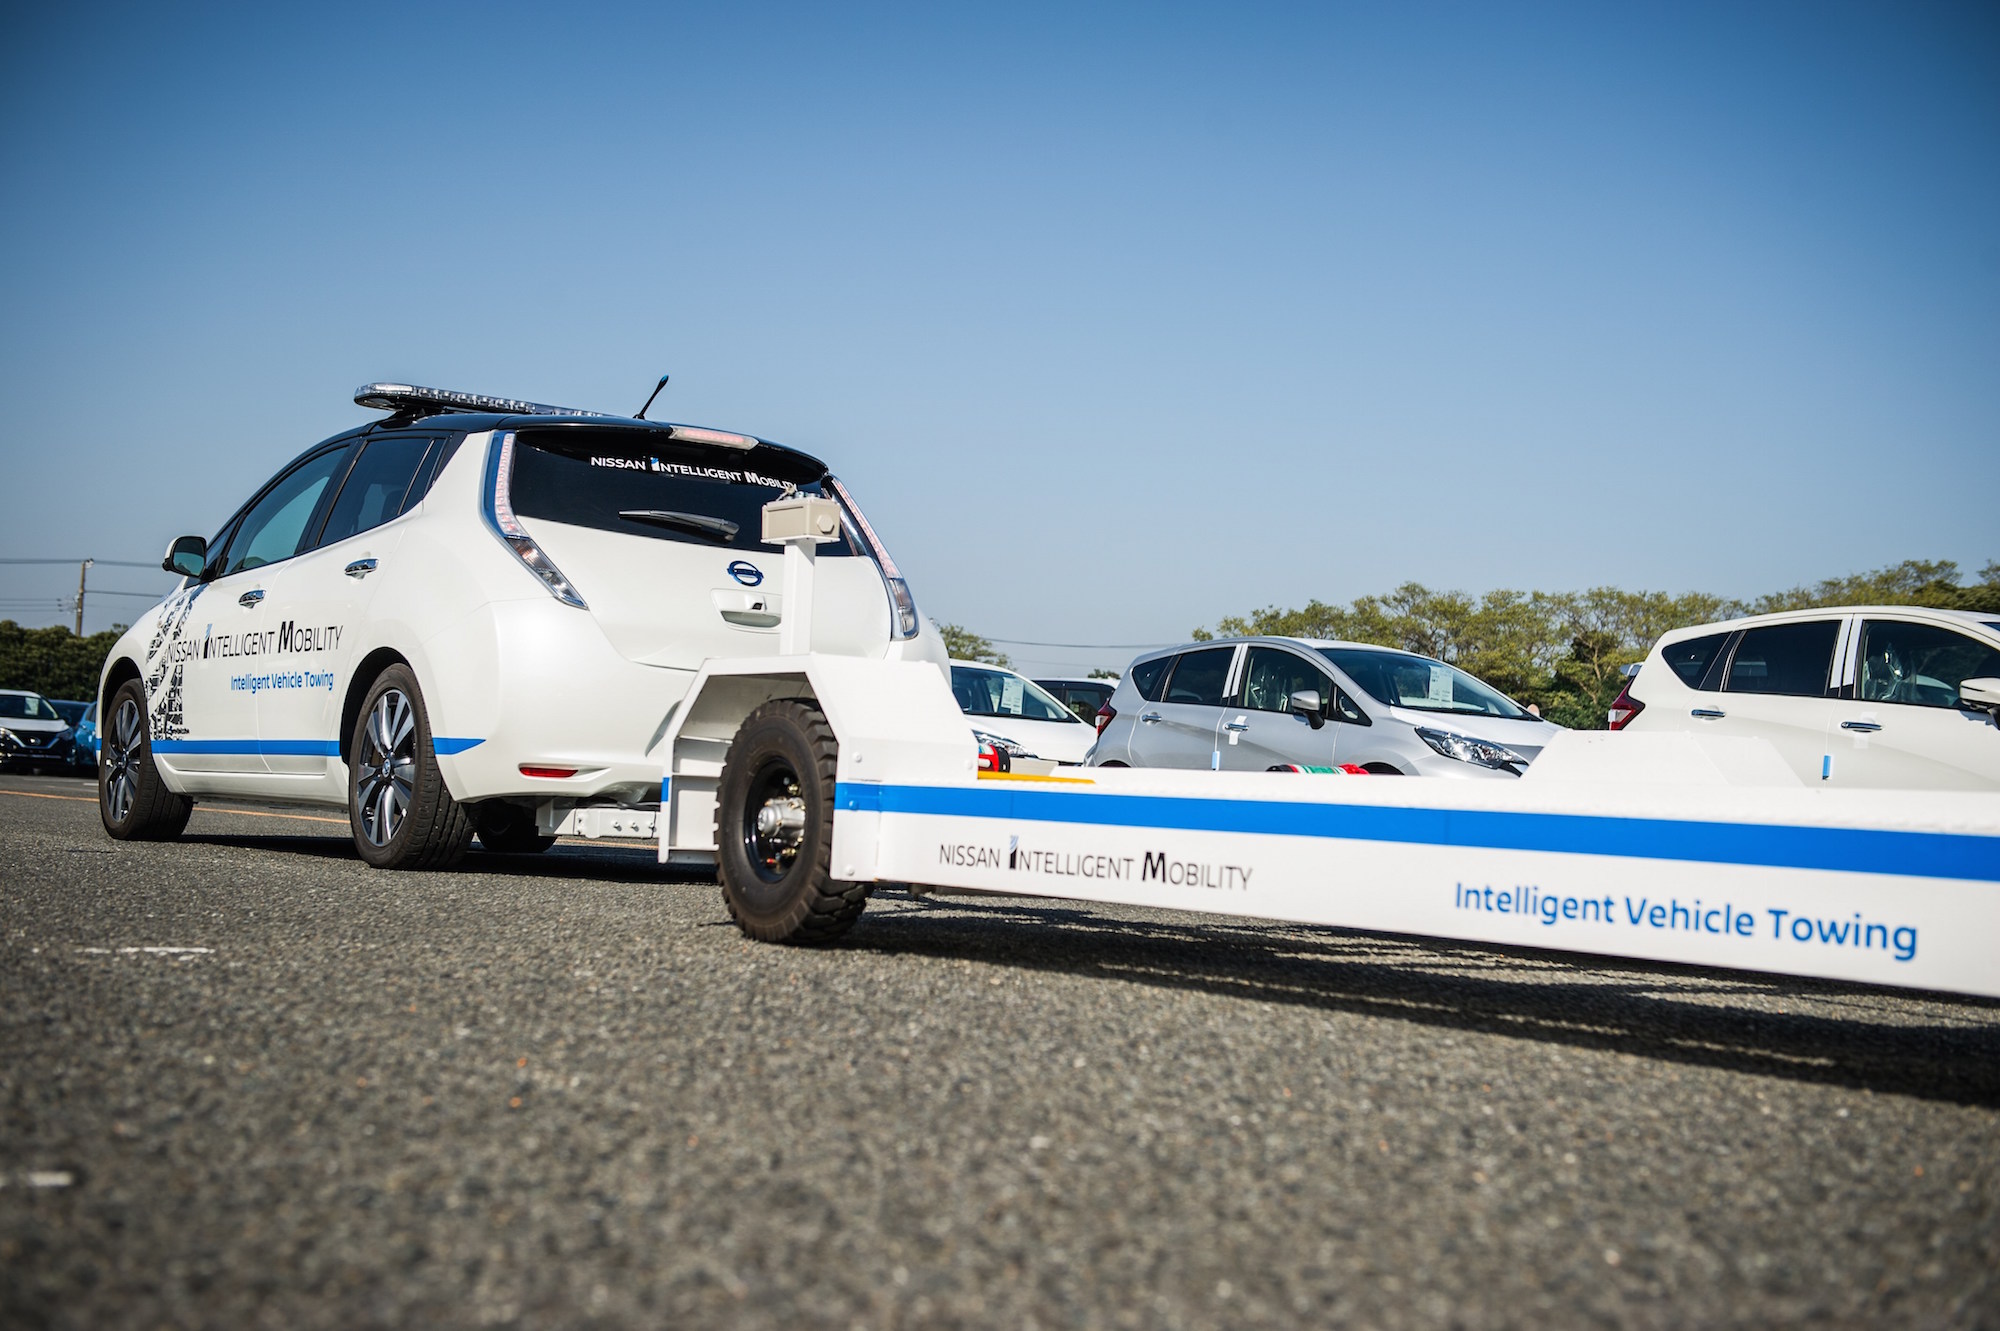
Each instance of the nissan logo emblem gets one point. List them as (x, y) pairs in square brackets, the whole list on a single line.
[(746, 573)]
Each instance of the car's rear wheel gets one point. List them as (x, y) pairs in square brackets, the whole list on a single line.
[(133, 801), (397, 805), (774, 828), (508, 829)]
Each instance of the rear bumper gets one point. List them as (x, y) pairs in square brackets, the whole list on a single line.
[(535, 684)]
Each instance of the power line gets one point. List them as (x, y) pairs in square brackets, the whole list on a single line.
[(120, 563), (1083, 646)]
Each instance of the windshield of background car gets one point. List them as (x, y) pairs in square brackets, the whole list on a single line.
[(640, 483), (999, 693), (26, 707), (1404, 679)]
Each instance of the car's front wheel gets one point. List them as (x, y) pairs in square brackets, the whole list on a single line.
[(397, 804), (133, 801)]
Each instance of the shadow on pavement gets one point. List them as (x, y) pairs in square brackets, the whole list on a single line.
[(1872, 1039), (565, 860)]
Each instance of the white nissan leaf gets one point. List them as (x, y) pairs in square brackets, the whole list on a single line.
[(472, 617)]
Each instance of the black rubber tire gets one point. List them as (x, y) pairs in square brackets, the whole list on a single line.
[(783, 745), (433, 830), (509, 829), (151, 812)]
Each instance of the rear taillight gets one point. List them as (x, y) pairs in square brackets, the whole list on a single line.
[(1105, 715), (547, 773), (500, 520), (1623, 708), (993, 758)]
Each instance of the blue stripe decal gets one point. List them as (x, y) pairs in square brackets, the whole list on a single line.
[(289, 748), (1853, 850)]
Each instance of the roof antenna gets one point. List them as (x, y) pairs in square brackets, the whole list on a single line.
[(649, 401)]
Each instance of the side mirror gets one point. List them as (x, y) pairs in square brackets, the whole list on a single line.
[(187, 556), (1306, 703), (1981, 695)]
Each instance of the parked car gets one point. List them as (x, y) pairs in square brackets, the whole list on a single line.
[(73, 713), (86, 740), (1014, 713), (1251, 704), (1082, 696), (475, 615), (32, 732), (1852, 696)]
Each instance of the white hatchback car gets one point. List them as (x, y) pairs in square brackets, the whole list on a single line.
[(471, 617), (1852, 696), (1019, 715)]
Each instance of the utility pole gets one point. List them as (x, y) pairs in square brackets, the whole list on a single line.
[(82, 579)]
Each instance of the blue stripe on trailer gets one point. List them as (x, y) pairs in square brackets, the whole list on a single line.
[(1853, 850)]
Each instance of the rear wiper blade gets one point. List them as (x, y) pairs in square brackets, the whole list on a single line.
[(700, 524)]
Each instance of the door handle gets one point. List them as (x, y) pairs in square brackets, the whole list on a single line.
[(1237, 726), (249, 599), (1149, 718), (360, 568), (1867, 727), (1709, 713)]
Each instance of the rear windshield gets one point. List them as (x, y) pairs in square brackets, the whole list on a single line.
[(1403, 679), (641, 483)]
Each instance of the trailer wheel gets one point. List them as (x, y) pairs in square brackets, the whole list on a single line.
[(774, 828)]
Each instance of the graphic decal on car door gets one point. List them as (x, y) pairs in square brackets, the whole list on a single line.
[(166, 661)]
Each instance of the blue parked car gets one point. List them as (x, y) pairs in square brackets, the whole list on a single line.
[(84, 757)]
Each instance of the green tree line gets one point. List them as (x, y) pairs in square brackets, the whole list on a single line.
[(1562, 651), (53, 662)]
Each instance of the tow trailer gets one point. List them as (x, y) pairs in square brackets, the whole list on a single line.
[(811, 779)]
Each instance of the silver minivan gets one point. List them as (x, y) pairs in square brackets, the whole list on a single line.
[(1251, 704)]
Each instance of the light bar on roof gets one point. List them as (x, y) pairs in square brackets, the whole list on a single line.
[(402, 397)]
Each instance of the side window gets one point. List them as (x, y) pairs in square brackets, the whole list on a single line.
[(1199, 677), (1791, 659), (1920, 664), (1690, 660), (276, 523), (376, 487), (1272, 676), (1148, 676), (432, 466)]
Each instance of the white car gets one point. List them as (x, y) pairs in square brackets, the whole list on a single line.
[(473, 616), (1854, 696), (32, 731), (1018, 715), (1255, 704)]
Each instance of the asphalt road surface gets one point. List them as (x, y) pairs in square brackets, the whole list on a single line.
[(248, 1082)]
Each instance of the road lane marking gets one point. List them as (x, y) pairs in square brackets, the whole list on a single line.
[(147, 951), (199, 808)]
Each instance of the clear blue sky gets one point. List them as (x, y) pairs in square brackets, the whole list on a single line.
[(1118, 319)]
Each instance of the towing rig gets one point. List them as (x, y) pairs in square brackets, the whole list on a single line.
[(814, 778)]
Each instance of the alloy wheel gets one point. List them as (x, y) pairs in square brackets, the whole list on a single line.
[(386, 766), (121, 759)]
